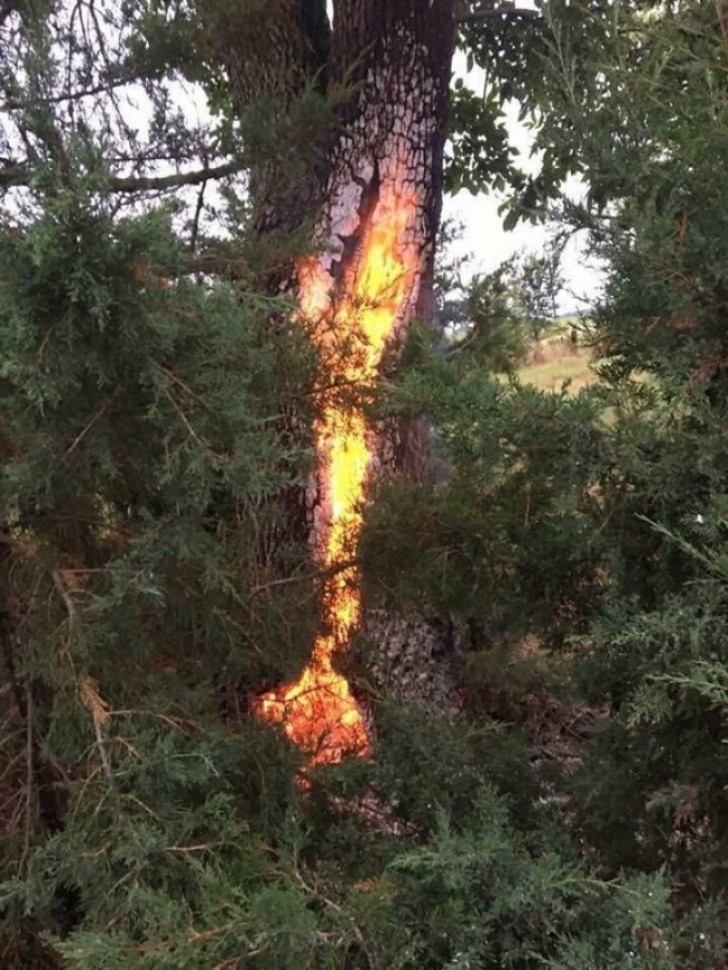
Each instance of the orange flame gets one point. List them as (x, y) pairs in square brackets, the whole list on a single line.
[(318, 711)]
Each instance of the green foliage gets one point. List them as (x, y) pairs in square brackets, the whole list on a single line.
[(509, 545), (596, 522), (508, 45), (663, 751), (146, 464), (137, 426), (479, 155), (497, 315), (496, 328), (540, 283), (651, 787), (482, 897)]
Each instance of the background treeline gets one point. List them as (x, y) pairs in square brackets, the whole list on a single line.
[(575, 815)]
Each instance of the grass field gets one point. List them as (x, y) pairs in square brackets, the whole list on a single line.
[(556, 360)]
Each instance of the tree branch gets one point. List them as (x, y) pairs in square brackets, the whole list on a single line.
[(143, 183), (103, 87), (19, 173), (216, 264), (14, 173)]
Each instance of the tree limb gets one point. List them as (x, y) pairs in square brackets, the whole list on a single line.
[(12, 174), (104, 87), (144, 183), (18, 173)]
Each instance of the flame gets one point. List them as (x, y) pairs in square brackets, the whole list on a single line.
[(318, 711)]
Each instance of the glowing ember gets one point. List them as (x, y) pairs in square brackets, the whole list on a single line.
[(318, 711)]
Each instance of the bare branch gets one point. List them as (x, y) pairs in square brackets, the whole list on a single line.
[(20, 173), (142, 183), (80, 436), (64, 595), (30, 771), (196, 219), (14, 173), (99, 710), (103, 87), (216, 264)]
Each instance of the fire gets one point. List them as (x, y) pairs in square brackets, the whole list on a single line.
[(318, 711)]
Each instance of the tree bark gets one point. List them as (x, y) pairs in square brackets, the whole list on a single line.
[(381, 165), (273, 52)]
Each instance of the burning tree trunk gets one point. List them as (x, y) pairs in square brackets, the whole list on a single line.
[(374, 196)]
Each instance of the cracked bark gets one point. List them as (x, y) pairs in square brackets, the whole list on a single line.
[(394, 56)]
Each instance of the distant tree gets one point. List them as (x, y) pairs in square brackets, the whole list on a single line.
[(540, 283)]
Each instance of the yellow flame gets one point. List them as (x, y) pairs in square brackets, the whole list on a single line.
[(318, 711)]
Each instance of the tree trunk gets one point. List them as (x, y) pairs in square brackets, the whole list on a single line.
[(374, 197), (389, 152)]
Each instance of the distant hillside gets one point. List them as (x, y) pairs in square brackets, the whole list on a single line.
[(557, 358)]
